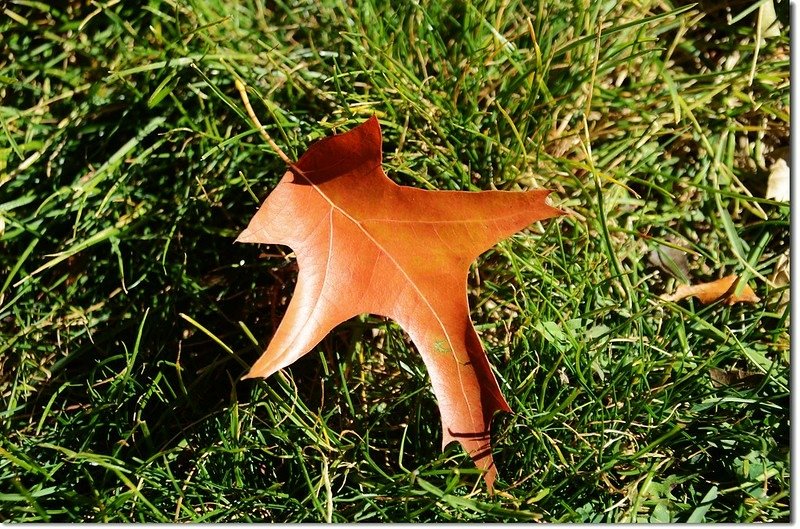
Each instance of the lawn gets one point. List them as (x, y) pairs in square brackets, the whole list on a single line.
[(128, 166)]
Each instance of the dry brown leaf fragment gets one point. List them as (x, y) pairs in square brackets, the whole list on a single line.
[(768, 21), (733, 377), (671, 260), (778, 185), (780, 278), (724, 289)]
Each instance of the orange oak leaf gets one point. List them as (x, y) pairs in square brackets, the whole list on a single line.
[(367, 245), (724, 289)]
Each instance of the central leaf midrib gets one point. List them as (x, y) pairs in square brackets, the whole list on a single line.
[(405, 274)]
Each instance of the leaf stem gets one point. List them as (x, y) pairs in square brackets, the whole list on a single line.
[(242, 88)]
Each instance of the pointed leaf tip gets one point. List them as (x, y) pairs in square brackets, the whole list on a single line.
[(341, 154), (247, 235)]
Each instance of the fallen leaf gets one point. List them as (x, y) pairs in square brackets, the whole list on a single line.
[(769, 25), (732, 377), (780, 278), (715, 290), (367, 245), (670, 260), (778, 185)]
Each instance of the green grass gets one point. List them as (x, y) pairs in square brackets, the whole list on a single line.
[(127, 314)]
